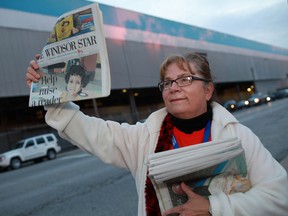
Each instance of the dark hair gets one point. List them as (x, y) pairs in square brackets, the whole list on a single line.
[(77, 70), (64, 22)]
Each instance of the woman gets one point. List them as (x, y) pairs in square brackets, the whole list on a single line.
[(187, 91)]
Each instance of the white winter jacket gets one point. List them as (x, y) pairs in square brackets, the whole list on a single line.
[(128, 146)]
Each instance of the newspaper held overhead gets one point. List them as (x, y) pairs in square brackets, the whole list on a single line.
[(208, 169), (74, 63)]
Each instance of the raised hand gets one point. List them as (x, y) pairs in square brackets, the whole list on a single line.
[(31, 74)]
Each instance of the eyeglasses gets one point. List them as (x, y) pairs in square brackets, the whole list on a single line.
[(181, 81)]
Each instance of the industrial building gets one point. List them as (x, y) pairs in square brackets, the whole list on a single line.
[(137, 44)]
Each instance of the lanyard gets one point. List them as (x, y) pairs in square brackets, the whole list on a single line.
[(206, 135)]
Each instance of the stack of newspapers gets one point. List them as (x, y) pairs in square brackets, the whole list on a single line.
[(208, 168)]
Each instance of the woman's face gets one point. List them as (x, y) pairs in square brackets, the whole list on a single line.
[(187, 101), (74, 85)]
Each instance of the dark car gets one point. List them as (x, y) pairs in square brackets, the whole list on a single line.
[(282, 93), (258, 99), (242, 104), (230, 105), (273, 96)]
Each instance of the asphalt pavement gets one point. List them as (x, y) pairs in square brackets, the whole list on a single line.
[(284, 163)]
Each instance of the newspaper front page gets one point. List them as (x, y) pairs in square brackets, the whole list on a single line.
[(74, 63)]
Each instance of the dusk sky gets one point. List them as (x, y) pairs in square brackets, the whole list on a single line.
[(262, 21)]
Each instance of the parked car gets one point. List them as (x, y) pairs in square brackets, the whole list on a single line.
[(258, 99), (230, 105), (282, 93), (31, 149), (242, 104), (273, 96)]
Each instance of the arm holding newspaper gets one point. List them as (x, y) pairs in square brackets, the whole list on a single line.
[(269, 187)]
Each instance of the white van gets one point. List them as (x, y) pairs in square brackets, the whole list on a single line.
[(34, 148)]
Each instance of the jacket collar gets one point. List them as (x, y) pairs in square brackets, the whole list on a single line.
[(220, 116)]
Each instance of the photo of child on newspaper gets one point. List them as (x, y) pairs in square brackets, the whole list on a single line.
[(78, 73), (76, 80)]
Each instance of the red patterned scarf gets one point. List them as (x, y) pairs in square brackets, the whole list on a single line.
[(164, 144)]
